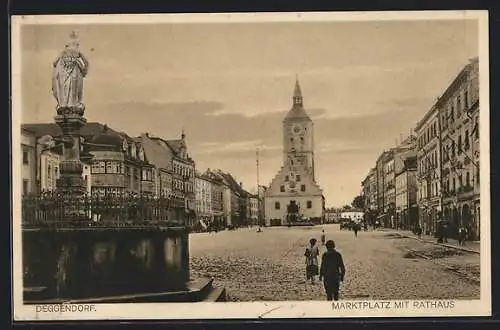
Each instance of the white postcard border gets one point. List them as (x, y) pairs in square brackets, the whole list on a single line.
[(289, 309)]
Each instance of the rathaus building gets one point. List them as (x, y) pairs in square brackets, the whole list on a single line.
[(294, 195)]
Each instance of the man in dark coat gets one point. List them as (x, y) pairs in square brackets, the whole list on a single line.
[(332, 271)]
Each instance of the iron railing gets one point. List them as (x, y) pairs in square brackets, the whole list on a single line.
[(117, 210)]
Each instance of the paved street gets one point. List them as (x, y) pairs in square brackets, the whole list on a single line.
[(270, 265)]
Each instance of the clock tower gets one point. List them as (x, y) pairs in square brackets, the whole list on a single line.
[(298, 131), (294, 195)]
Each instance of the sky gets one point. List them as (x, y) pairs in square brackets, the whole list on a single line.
[(229, 86)]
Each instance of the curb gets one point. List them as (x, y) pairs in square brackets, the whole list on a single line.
[(440, 244)]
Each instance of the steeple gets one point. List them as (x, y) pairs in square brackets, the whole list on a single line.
[(297, 112), (297, 93)]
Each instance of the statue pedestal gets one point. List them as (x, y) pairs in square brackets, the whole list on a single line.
[(97, 262)]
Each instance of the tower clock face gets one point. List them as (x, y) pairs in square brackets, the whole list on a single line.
[(296, 129)]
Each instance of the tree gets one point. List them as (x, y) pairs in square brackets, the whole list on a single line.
[(358, 202)]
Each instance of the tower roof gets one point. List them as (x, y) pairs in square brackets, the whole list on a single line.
[(297, 93), (297, 112)]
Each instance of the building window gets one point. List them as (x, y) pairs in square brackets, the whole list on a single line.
[(286, 178), (25, 187), (309, 204), (282, 188), (276, 205), (303, 187), (109, 167), (26, 160), (297, 177), (466, 141), (291, 139)]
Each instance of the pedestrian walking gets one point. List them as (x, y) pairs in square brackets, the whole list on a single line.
[(462, 235), (419, 232), (332, 271), (311, 254), (323, 237), (355, 228)]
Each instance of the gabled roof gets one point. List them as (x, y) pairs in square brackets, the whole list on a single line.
[(156, 153), (175, 145), (231, 182)]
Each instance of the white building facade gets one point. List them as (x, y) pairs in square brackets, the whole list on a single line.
[(203, 198), (253, 204), (28, 162)]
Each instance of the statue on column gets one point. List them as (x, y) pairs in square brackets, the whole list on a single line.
[(70, 68)]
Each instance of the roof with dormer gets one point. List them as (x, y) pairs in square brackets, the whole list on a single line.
[(108, 138), (88, 131), (156, 153)]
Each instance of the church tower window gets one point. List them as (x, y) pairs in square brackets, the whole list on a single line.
[(303, 187), (309, 204), (277, 205), (282, 188)]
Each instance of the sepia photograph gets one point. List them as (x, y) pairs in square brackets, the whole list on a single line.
[(260, 165)]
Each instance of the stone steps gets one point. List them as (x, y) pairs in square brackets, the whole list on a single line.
[(199, 290)]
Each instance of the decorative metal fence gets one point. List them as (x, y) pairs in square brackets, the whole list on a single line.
[(55, 209)]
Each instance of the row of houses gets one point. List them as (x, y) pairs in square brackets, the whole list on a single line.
[(337, 215), (433, 176), (115, 164)]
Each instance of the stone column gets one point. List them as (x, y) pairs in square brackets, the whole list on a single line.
[(70, 182), (69, 71)]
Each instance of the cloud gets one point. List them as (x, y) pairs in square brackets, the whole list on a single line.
[(234, 147)]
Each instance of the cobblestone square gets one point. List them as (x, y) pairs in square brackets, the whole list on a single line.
[(269, 266)]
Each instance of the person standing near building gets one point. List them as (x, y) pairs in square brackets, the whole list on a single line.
[(355, 229), (323, 237), (332, 271), (311, 254)]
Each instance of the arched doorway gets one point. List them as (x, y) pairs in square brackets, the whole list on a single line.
[(455, 222), (467, 220), (292, 209), (446, 214)]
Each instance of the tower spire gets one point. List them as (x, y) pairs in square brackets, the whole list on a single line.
[(297, 93)]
